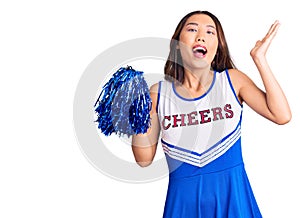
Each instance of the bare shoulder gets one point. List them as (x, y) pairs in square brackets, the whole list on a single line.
[(240, 82), (154, 88), (238, 78), (236, 74), (154, 96)]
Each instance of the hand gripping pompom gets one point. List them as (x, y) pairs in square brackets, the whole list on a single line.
[(124, 104)]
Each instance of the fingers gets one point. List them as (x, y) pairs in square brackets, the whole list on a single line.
[(262, 46), (273, 30)]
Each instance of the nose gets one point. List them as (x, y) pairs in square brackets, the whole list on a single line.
[(200, 39)]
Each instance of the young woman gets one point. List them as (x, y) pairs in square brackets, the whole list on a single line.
[(197, 110)]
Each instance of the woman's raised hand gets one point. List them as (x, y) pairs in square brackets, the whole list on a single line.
[(261, 47)]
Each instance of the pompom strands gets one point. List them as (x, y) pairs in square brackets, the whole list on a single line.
[(124, 104)]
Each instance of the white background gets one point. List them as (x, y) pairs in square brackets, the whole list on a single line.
[(45, 47)]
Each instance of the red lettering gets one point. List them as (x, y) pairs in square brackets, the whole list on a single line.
[(163, 122), (204, 115), (175, 120), (229, 113), (217, 111), (191, 118)]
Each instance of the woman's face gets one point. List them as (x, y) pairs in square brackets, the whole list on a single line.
[(198, 42)]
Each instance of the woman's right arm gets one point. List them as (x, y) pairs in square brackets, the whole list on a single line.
[(144, 145)]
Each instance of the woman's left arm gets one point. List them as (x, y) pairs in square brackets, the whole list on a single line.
[(272, 102)]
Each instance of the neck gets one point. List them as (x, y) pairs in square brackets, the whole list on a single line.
[(198, 80)]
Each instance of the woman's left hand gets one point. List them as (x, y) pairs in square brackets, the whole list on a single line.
[(261, 47)]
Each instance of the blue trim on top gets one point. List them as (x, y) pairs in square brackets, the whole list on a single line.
[(223, 139), (212, 147), (158, 95), (180, 149), (195, 99), (231, 86)]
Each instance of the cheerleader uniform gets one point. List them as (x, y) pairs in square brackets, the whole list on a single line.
[(201, 139)]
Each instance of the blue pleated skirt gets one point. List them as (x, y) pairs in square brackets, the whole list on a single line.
[(220, 189)]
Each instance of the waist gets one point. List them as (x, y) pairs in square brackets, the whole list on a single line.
[(231, 158)]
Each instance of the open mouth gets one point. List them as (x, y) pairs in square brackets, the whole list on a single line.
[(199, 50)]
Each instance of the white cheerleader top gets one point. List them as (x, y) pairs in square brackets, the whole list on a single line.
[(199, 130)]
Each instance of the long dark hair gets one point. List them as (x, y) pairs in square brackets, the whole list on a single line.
[(222, 60)]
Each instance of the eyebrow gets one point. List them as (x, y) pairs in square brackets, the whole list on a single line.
[(196, 24)]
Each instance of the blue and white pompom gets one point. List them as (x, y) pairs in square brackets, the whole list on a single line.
[(124, 104)]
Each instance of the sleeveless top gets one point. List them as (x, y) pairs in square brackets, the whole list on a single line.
[(201, 139), (199, 130)]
